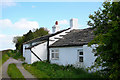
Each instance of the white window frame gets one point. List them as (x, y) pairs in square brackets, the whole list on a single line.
[(78, 51), (55, 54)]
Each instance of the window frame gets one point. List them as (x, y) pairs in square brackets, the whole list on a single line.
[(80, 55), (55, 54)]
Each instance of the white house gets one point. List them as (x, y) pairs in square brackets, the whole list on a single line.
[(63, 47)]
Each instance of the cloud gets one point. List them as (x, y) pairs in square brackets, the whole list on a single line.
[(63, 22), (33, 6), (6, 42), (21, 24), (8, 3), (8, 30)]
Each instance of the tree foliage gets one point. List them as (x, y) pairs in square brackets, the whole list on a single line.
[(26, 37), (106, 23)]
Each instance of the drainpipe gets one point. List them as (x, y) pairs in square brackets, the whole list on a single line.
[(48, 53), (35, 54)]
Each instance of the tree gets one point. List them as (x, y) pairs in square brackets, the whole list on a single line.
[(28, 36), (19, 43), (40, 32), (106, 24), (19, 40)]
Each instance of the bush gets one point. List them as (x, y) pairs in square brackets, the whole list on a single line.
[(15, 54)]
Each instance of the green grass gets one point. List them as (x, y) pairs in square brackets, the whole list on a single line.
[(14, 72), (5, 57), (37, 73), (10, 53), (44, 70)]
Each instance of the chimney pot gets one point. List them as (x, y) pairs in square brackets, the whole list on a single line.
[(56, 22)]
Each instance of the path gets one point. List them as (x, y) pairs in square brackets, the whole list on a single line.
[(18, 63)]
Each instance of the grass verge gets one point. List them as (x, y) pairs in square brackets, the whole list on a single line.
[(14, 72), (43, 69), (5, 57), (36, 72)]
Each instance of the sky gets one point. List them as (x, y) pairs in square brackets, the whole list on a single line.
[(17, 18)]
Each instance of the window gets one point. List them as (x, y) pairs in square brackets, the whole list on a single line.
[(80, 55), (55, 54), (80, 59)]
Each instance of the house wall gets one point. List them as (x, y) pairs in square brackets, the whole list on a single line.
[(27, 56), (40, 51), (69, 55), (25, 46), (89, 57), (27, 53)]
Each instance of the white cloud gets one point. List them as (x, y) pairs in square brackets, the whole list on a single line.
[(7, 3), (10, 30), (33, 6), (63, 22), (6, 42), (21, 24)]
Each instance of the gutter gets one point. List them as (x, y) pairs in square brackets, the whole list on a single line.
[(35, 54)]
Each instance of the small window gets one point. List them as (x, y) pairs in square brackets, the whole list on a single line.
[(52, 55), (80, 59), (52, 50), (80, 53), (55, 54)]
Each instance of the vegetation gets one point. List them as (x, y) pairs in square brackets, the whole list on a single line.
[(14, 54), (19, 40), (14, 72), (4, 57), (46, 70), (6, 54), (34, 71), (106, 22)]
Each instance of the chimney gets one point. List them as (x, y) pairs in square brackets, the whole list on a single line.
[(74, 23), (55, 28)]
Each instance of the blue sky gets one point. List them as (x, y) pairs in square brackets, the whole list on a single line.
[(19, 17)]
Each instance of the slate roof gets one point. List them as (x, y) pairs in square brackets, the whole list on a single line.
[(76, 37), (43, 38)]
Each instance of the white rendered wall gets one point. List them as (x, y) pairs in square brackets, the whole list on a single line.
[(69, 55), (89, 57), (27, 53), (25, 46), (27, 56), (40, 51)]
